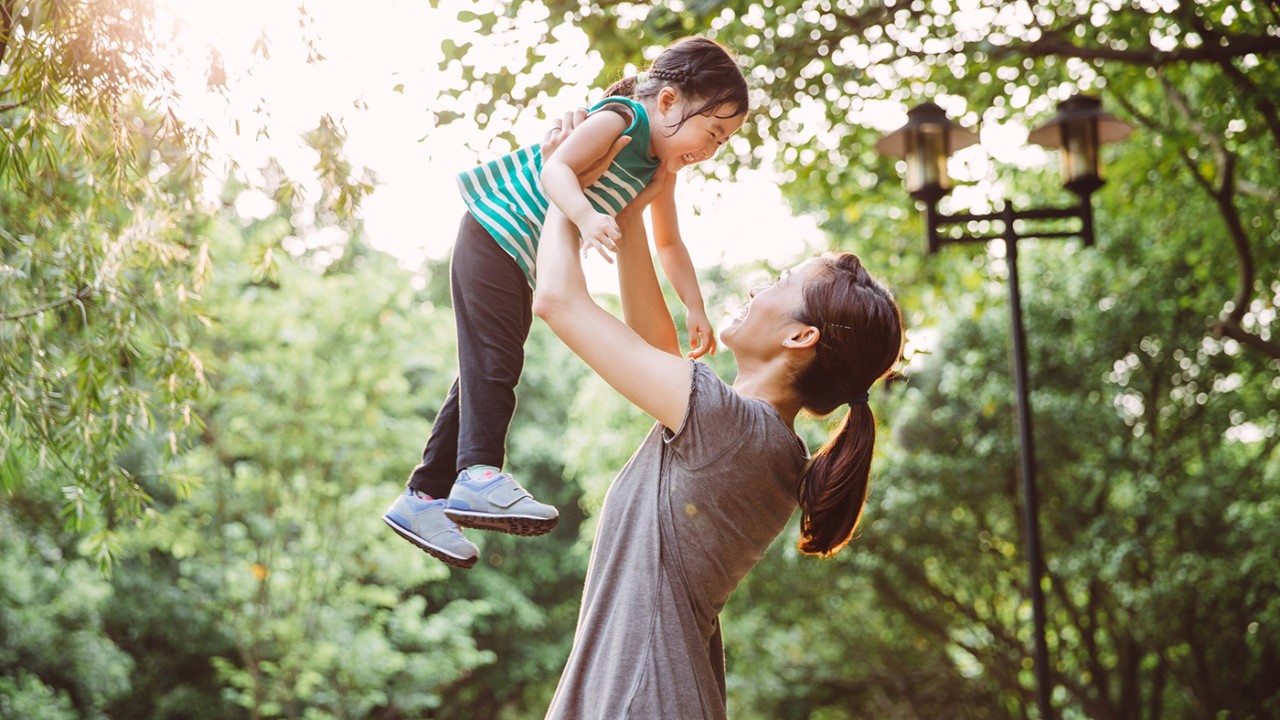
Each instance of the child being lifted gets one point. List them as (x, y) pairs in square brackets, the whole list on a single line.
[(679, 112)]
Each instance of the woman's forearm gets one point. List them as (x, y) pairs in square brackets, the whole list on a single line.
[(561, 283), (678, 267), (643, 307), (673, 255), (655, 381)]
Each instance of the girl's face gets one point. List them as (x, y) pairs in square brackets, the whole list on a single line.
[(696, 140), (768, 321)]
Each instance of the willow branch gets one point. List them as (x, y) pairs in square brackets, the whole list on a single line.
[(6, 25), (80, 296)]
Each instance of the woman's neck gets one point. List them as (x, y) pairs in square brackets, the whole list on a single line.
[(771, 383)]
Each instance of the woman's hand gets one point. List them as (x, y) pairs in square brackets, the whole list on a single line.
[(702, 337), (599, 231), (563, 128), (662, 181)]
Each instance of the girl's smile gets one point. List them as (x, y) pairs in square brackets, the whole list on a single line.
[(680, 141)]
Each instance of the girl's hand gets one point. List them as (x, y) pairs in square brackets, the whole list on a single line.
[(702, 337), (601, 232)]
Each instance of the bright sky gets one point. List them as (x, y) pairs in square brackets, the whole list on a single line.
[(380, 78)]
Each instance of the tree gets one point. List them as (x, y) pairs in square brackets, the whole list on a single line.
[(56, 663), (99, 274)]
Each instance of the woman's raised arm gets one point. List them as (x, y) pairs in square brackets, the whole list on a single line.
[(654, 380), (643, 306)]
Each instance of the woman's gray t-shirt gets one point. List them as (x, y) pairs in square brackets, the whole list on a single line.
[(689, 515)]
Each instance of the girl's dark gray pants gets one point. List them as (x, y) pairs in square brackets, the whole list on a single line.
[(493, 306)]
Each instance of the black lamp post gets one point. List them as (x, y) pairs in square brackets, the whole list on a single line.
[(1079, 128)]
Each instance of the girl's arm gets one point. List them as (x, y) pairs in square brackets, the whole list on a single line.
[(589, 141), (655, 381), (678, 268)]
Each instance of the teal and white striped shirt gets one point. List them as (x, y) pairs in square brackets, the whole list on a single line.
[(506, 197)]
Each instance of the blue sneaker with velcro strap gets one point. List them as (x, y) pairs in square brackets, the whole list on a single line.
[(423, 523), (495, 501)]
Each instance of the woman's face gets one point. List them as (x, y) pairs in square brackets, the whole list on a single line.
[(769, 318)]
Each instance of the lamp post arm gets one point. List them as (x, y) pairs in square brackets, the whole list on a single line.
[(935, 221)]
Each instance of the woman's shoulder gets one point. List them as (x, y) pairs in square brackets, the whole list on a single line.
[(720, 419)]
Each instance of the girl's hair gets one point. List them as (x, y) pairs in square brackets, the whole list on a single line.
[(700, 69), (860, 338)]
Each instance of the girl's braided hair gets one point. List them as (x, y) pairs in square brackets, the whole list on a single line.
[(701, 69)]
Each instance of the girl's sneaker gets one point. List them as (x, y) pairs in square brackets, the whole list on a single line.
[(423, 523), (495, 501)]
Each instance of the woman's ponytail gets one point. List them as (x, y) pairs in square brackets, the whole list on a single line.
[(833, 488), (860, 339)]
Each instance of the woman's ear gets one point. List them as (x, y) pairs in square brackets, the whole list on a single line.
[(806, 336)]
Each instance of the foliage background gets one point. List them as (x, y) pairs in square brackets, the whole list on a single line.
[(203, 417)]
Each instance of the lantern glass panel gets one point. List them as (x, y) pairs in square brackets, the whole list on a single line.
[(1080, 156), (927, 162)]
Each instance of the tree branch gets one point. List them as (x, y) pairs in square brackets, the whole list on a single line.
[(1265, 453), (1254, 190), (1147, 121), (1223, 195), (1250, 90), (1232, 329), (1096, 706), (1002, 664), (81, 295), (1246, 86), (1157, 687), (6, 25), (858, 24), (1055, 45)]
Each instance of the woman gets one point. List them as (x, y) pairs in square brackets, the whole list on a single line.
[(722, 470)]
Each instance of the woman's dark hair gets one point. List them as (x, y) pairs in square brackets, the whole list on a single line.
[(860, 339), (700, 69)]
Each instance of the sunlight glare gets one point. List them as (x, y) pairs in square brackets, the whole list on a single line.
[(376, 69)]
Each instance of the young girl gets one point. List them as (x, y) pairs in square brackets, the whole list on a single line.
[(676, 114)]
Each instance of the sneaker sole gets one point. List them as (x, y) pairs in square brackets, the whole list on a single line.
[(428, 548), (522, 525)]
